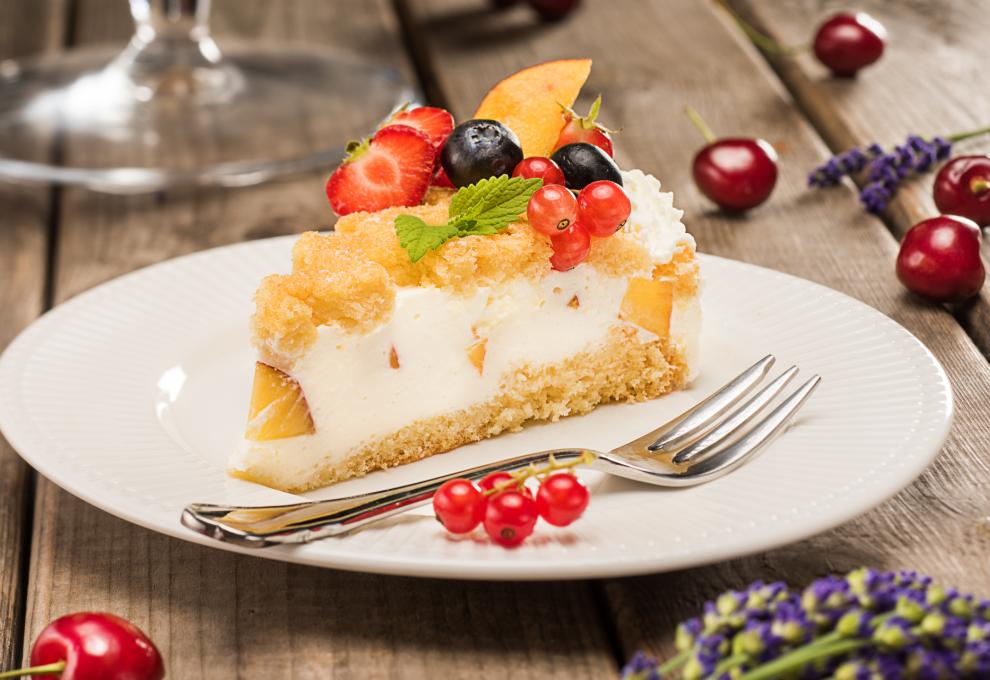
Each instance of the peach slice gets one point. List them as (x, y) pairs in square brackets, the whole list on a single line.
[(647, 303), (278, 406), (529, 101), (476, 355)]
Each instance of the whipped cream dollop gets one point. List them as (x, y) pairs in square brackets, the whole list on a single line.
[(654, 220)]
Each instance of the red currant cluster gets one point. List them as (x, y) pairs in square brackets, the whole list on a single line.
[(600, 209), (506, 507)]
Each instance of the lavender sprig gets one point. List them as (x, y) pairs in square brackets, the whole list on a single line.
[(865, 625), (886, 170)]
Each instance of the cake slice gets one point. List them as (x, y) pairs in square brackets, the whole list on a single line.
[(370, 357)]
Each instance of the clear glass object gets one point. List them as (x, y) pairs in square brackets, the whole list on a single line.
[(174, 108)]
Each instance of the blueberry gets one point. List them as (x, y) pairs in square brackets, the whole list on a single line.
[(585, 163), (478, 149)]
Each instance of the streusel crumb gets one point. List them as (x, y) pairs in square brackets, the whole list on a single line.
[(348, 278)]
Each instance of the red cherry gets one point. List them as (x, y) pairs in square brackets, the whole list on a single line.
[(603, 207), (510, 518), (97, 646), (551, 210), (962, 187), (940, 259), (736, 173), (570, 247), (553, 10), (459, 505), (539, 167), (848, 42), (561, 499)]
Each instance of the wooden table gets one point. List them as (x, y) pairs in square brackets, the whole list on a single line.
[(215, 614)]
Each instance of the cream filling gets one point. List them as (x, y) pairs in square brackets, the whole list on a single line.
[(356, 396)]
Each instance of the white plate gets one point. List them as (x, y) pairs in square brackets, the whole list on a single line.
[(131, 395)]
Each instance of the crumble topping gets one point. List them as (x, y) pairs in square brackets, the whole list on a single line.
[(348, 278)]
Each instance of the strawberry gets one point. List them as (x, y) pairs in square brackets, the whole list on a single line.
[(392, 168), (440, 179), (433, 122), (585, 129)]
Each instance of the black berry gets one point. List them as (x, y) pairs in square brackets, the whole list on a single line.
[(478, 149), (584, 163)]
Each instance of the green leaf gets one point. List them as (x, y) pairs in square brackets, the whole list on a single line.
[(418, 237), (484, 208), (494, 202)]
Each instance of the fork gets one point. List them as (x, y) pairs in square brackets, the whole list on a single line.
[(706, 442)]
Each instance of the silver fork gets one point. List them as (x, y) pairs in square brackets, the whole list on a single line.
[(710, 440)]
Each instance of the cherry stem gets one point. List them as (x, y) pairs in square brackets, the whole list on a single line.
[(959, 136), (699, 123), (56, 667), (519, 477), (979, 186), (762, 41)]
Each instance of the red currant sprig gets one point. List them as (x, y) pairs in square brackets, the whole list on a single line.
[(600, 209), (507, 508)]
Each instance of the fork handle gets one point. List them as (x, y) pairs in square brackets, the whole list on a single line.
[(264, 526)]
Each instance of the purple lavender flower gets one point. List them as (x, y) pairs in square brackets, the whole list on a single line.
[(849, 162), (641, 666), (885, 170), (867, 624)]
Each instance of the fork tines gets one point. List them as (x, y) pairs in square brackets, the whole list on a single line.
[(717, 421)]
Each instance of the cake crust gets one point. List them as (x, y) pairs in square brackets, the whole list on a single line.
[(620, 369)]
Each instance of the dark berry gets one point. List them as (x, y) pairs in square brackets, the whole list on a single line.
[(478, 149), (584, 163)]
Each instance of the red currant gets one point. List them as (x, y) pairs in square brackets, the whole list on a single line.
[(459, 505), (510, 518), (538, 167), (561, 499), (940, 259), (603, 207), (570, 247), (551, 210)]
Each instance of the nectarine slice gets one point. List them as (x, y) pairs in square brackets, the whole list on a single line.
[(278, 406), (529, 102), (647, 304), (476, 355)]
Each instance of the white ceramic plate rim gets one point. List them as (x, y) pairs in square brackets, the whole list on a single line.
[(37, 450)]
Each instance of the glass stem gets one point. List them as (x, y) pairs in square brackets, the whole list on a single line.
[(171, 18)]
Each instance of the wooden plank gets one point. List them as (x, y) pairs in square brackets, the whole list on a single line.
[(26, 28), (649, 62), (215, 614), (931, 80)]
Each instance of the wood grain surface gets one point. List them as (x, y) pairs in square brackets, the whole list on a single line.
[(27, 215), (932, 80), (215, 614), (936, 525)]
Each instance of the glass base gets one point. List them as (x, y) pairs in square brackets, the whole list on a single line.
[(165, 114)]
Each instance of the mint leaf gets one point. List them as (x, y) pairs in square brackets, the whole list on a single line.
[(418, 237), (484, 208), (496, 202)]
